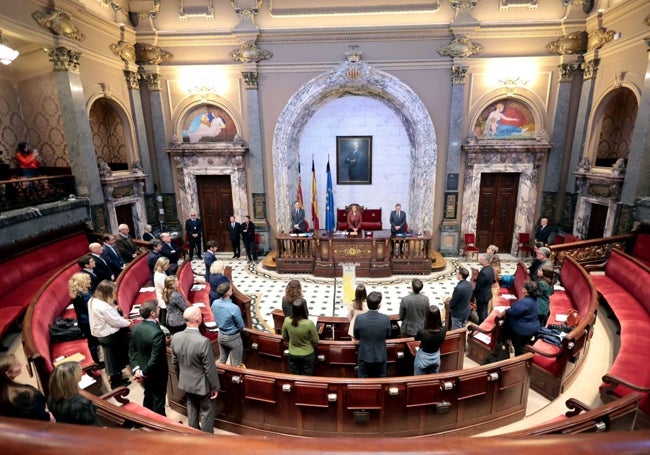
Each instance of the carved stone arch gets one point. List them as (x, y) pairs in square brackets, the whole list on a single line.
[(128, 125), (190, 102), (530, 99), (360, 79), (595, 124)]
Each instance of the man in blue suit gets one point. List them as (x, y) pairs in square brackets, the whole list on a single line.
[(110, 254), (298, 218), (372, 329), (398, 220)]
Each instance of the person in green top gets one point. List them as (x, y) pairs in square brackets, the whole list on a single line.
[(301, 334), (545, 282)]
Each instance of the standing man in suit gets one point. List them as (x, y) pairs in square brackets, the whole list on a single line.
[(194, 231), (234, 230), (148, 357), (87, 265), (372, 329), (193, 362), (298, 218), (483, 288), (102, 270), (154, 255), (398, 220), (125, 245), (459, 300), (543, 231), (248, 236), (169, 251), (413, 310), (209, 257), (110, 254)]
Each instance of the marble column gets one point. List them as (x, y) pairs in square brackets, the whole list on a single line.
[(83, 162), (133, 86), (637, 174)]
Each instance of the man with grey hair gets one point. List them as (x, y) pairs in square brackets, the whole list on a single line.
[(125, 245), (193, 362), (483, 288), (102, 269)]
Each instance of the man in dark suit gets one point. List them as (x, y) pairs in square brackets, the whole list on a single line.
[(124, 244), (102, 270), (209, 257), (543, 231), (193, 362), (154, 255), (413, 310), (248, 236), (298, 218), (398, 220), (459, 301), (194, 231), (372, 329), (234, 230), (169, 251), (483, 288), (87, 265), (148, 357), (111, 256)]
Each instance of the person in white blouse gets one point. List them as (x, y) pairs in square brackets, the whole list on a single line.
[(159, 275), (358, 306), (109, 326)]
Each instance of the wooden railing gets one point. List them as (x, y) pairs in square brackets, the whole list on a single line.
[(25, 192), (591, 251)]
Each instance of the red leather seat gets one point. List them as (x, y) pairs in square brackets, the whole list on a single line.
[(523, 245), (470, 246)]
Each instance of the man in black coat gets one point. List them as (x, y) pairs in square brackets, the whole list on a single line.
[(170, 251), (543, 231), (234, 230), (483, 288), (372, 329), (102, 269), (459, 300), (194, 231), (248, 236), (125, 245)]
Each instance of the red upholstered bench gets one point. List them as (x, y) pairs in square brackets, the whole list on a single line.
[(551, 372), (370, 220), (133, 278), (624, 287)]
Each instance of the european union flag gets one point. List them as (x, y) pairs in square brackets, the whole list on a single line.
[(329, 205)]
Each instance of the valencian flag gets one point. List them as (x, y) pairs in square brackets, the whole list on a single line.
[(299, 195), (314, 198), (329, 206)]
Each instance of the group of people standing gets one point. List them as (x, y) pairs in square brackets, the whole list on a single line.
[(238, 233)]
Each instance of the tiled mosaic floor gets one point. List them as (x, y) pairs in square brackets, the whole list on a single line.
[(266, 288)]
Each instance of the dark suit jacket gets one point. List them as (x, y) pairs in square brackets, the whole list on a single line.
[(171, 252), (459, 303), (193, 362), (484, 281), (413, 310), (397, 220), (298, 218), (115, 262), (193, 228), (248, 232), (234, 232), (542, 234), (102, 270), (126, 248), (147, 350), (94, 280), (372, 329), (208, 259)]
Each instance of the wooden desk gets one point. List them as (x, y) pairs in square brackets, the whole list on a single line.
[(377, 256)]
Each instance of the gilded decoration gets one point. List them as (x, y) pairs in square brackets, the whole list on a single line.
[(590, 68), (573, 43), (152, 80), (599, 37), (461, 47), (132, 80), (464, 4), (250, 79), (458, 74), (59, 24), (565, 71), (254, 11), (594, 253), (64, 59), (148, 54), (124, 50), (250, 53)]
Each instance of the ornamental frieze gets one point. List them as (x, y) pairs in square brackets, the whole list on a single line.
[(148, 54), (58, 23), (573, 43), (461, 47), (250, 53)]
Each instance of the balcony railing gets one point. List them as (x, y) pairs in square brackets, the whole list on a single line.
[(26, 192)]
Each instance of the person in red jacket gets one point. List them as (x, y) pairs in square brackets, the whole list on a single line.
[(27, 160)]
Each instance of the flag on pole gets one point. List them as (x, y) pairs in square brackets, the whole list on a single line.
[(329, 206), (299, 195), (314, 197)]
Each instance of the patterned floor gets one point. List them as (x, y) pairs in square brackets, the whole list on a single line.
[(325, 297)]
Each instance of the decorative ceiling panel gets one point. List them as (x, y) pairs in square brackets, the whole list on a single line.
[(335, 7)]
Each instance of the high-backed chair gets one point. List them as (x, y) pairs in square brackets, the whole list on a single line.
[(470, 246), (523, 244)]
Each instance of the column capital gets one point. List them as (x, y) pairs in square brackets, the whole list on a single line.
[(566, 71), (250, 79), (64, 59), (151, 79), (590, 68), (132, 80), (459, 74)]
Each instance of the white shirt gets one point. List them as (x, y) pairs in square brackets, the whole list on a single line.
[(159, 284), (104, 318)]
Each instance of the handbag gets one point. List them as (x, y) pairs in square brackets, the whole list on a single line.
[(65, 329)]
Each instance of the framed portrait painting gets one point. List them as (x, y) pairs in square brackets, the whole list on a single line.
[(354, 160)]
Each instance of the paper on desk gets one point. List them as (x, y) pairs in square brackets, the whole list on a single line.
[(483, 337), (561, 317), (557, 287), (501, 309), (86, 381), (199, 304), (508, 296), (70, 307), (198, 287), (148, 289), (210, 324)]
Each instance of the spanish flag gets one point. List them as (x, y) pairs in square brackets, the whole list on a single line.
[(314, 197), (299, 195)]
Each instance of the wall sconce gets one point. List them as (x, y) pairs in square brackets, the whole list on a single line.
[(7, 54), (511, 83)]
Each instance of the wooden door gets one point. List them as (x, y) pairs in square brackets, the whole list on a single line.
[(597, 220), (496, 210), (124, 214), (215, 207)]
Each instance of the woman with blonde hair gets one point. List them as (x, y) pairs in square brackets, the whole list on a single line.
[(216, 278), (176, 304), (292, 292), (159, 277), (65, 401), (109, 326), (79, 291), (19, 400), (357, 307)]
